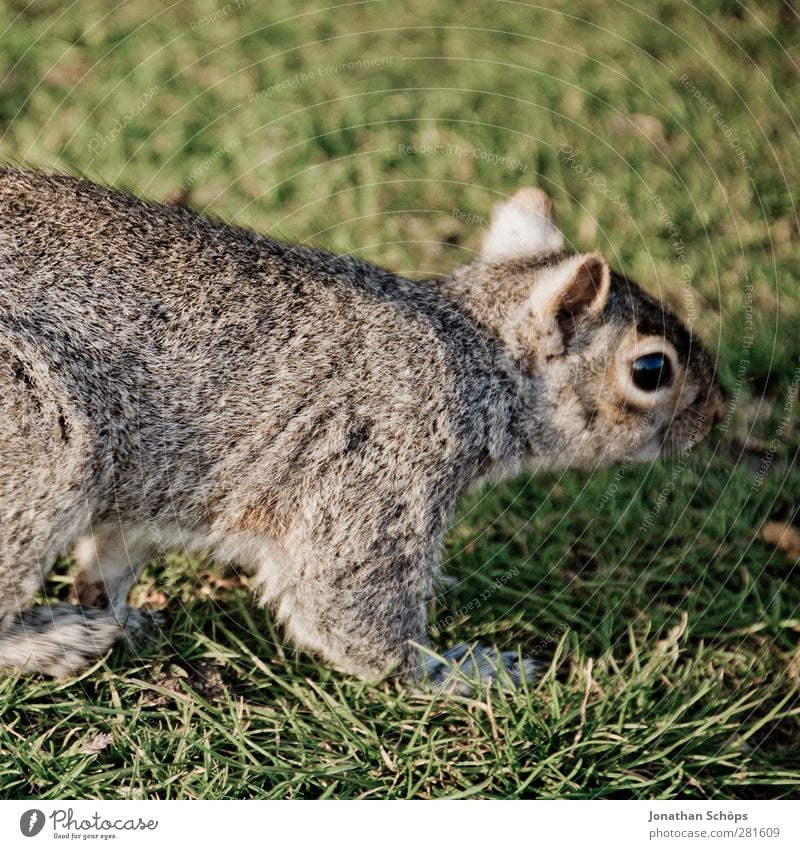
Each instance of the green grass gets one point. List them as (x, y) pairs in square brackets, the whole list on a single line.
[(673, 651)]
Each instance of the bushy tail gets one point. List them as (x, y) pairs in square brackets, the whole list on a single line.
[(59, 640)]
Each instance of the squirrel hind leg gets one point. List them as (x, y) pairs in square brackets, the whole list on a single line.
[(109, 563), (60, 640)]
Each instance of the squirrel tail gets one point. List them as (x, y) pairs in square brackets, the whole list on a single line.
[(59, 640)]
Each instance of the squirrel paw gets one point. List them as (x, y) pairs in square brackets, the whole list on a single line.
[(141, 628), (462, 669)]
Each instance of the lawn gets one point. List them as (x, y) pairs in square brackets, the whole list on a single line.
[(666, 618)]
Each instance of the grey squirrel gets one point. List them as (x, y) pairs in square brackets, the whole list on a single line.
[(170, 381)]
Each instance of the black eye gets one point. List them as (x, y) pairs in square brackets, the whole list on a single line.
[(651, 372)]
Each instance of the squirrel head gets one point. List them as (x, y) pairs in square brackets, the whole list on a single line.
[(609, 372)]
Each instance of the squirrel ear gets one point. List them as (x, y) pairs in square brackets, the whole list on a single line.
[(560, 293), (578, 285), (523, 226)]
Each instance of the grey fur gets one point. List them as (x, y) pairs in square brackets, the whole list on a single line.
[(167, 380)]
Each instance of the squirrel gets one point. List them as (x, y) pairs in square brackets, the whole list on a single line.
[(169, 381)]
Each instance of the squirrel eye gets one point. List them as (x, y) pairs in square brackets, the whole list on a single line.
[(651, 372)]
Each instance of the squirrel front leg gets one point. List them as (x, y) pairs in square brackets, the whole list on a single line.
[(365, 616), (368, 617)]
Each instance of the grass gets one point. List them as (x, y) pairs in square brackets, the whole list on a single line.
[(671, 642)]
